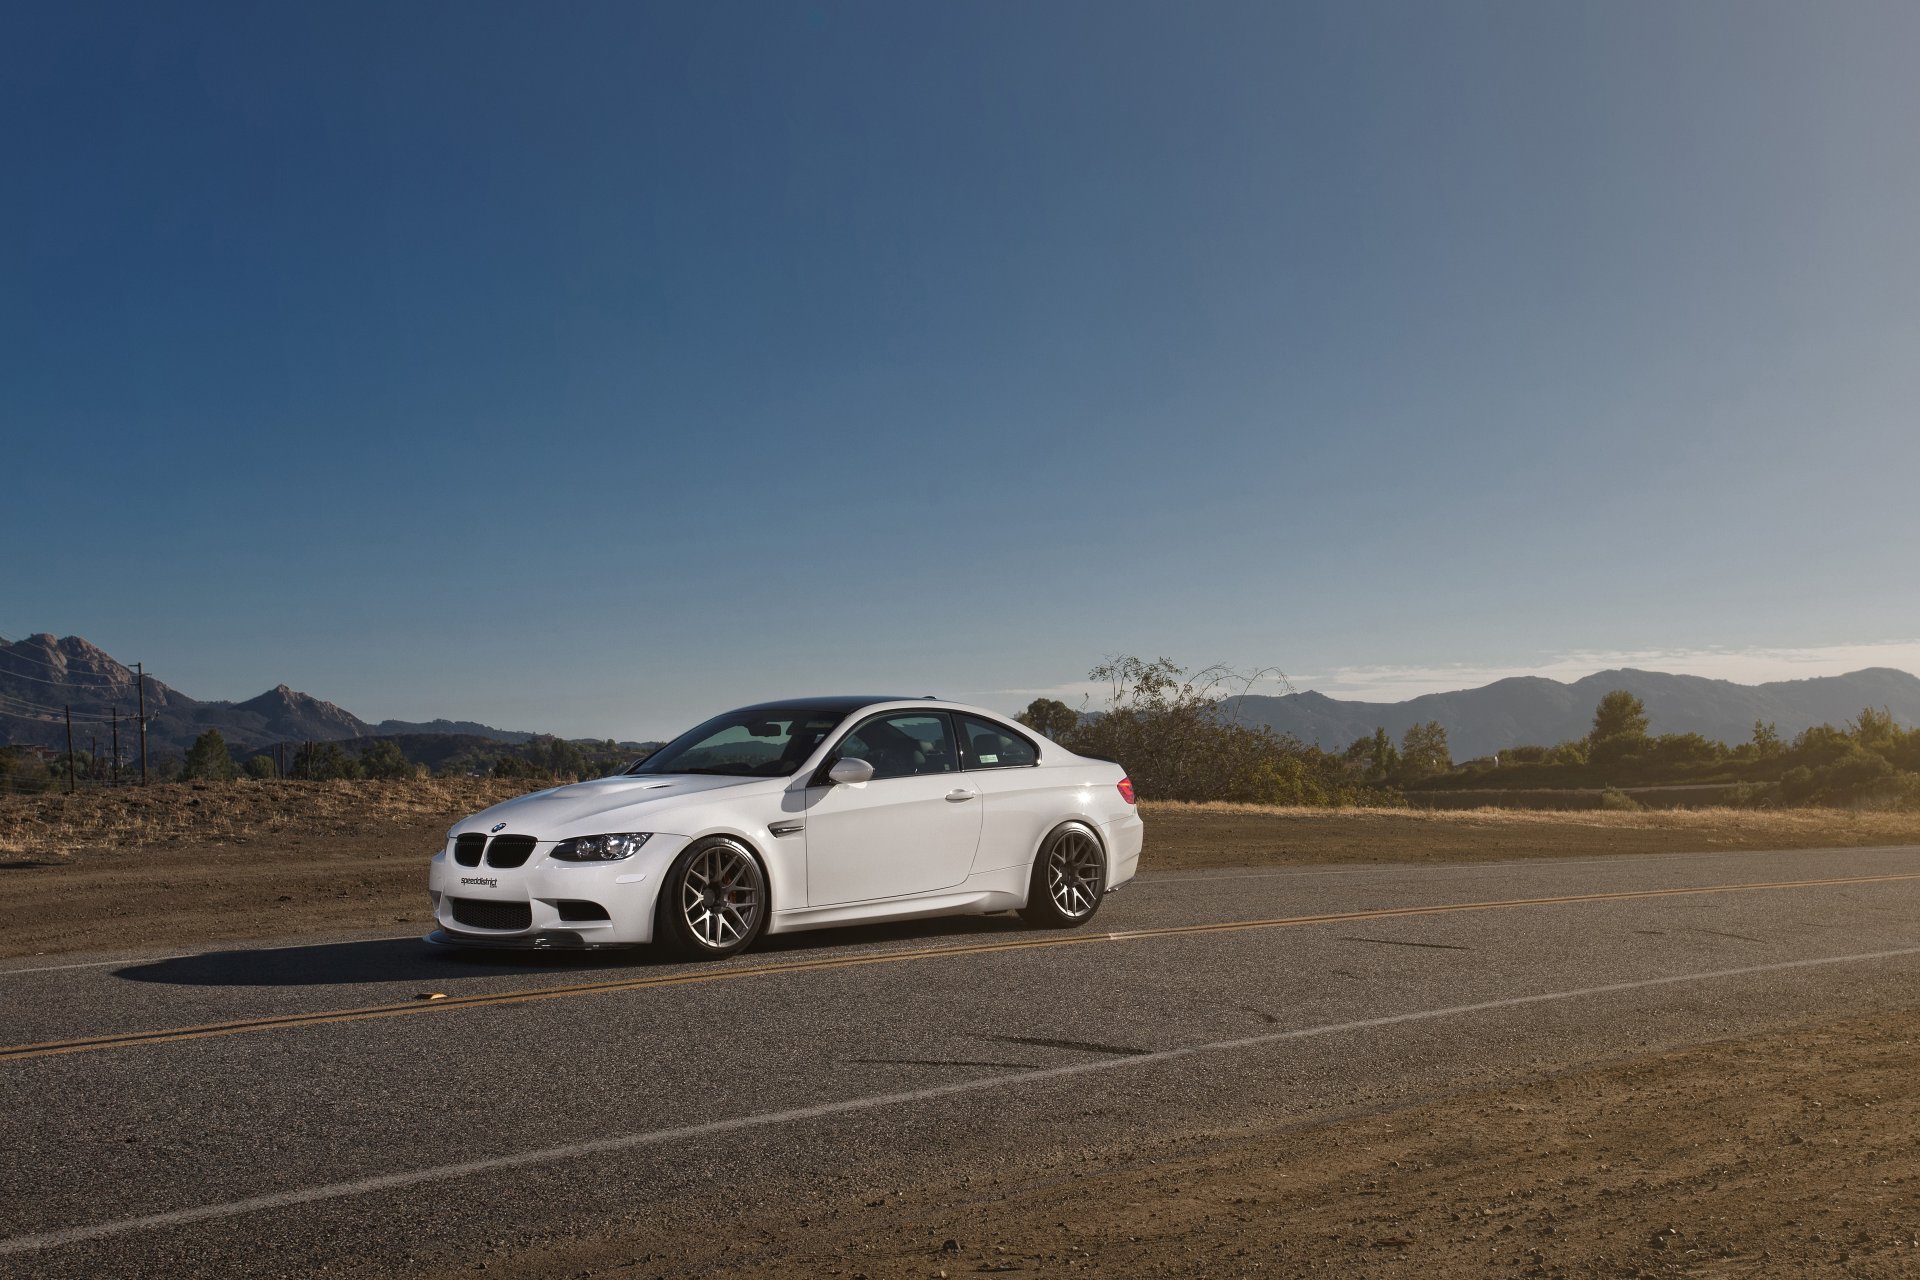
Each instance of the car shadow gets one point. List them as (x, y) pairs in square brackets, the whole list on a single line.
[(841, 937), (415, 960), (346, 963)]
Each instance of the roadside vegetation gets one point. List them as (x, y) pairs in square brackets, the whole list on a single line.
[(1868, 762), (27, 770), (1170, 728), (1165, 725)]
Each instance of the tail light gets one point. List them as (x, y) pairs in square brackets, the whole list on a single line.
[(1125, 787)]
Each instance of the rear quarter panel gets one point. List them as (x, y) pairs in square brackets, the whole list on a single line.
[(1023, 805)]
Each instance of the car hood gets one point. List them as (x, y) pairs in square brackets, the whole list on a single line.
[(554, 814)]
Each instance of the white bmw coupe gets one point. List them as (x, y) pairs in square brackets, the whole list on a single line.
[(796, 815)]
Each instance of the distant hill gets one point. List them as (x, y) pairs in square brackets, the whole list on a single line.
[(43, 674), (469, 728), (1533, 710)]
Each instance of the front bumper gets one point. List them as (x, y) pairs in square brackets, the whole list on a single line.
[(546, 895)]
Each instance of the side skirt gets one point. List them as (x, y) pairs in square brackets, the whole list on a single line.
[(958, 902)]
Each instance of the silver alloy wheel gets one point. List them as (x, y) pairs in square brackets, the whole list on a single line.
[(721, 896), (1074, 872)]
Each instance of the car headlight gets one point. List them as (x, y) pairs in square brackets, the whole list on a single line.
[(601, 848)]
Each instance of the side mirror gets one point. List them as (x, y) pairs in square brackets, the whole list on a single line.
[(850, 769)]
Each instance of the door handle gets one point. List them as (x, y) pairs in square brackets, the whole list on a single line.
[(960, 794)]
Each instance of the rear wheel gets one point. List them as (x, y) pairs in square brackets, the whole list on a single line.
[(714, 902), (1069, 878)]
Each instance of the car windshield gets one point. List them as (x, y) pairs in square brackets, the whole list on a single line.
[(755, 742)]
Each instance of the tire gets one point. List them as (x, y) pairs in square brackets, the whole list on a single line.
[(1069, 878), (714, 902)]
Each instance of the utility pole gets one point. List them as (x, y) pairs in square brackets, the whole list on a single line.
[(141, 667), (116, 745), (69, 748)]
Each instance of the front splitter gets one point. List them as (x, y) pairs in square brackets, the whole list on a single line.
[(545, 940)]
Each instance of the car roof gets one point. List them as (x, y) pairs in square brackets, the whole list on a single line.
[(839, 703)]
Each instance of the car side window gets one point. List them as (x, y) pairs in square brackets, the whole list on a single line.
[(991, 747), (903, 745)]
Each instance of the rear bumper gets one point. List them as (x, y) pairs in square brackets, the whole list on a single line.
[(1124, 837)]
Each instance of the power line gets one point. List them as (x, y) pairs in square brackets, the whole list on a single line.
[(13, 651), (70, 683), (12, 647), (33, 712)]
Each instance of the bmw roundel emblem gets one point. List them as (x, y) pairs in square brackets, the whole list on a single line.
[(499, 826)]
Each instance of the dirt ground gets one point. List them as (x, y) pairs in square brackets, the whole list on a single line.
[(1647, 1167), (183, 865)]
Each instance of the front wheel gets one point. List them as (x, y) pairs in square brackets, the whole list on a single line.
[(1069, 878), (714, 901)]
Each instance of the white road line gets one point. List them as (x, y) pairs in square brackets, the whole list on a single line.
[(626, 1142)]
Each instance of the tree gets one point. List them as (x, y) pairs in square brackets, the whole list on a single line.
[(323, 761), (1876, 730), (208, 758), (1375, 754), (384, 759), (1050, 718), (1423, 749), (260, 768), (1766, 743), (1619, 715)]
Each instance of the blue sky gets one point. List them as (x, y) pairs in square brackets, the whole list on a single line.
[(591, 367)]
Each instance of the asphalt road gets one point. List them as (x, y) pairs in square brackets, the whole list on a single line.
[(301, 1110)]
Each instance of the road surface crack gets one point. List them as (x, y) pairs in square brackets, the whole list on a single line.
[(1398, 942), (942, 1062), (1084, 1046)]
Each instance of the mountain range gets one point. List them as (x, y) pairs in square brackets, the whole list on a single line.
[(42, 675), (1534, 710)]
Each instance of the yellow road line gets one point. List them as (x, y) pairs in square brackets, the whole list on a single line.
[(205, 1031)]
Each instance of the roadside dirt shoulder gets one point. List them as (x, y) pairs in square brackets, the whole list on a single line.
[(192, 866), (1195, 836), (1653, 1166)]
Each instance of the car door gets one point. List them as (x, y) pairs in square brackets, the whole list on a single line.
[(912, 829)]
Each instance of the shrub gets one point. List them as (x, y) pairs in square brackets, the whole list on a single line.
[(1166, 726), (1619, 801)]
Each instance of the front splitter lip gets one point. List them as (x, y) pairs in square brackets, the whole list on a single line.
[(546, 940)]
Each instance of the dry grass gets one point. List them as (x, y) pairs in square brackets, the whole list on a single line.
[(1233, 835), (1891, 826), (176, 815)]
